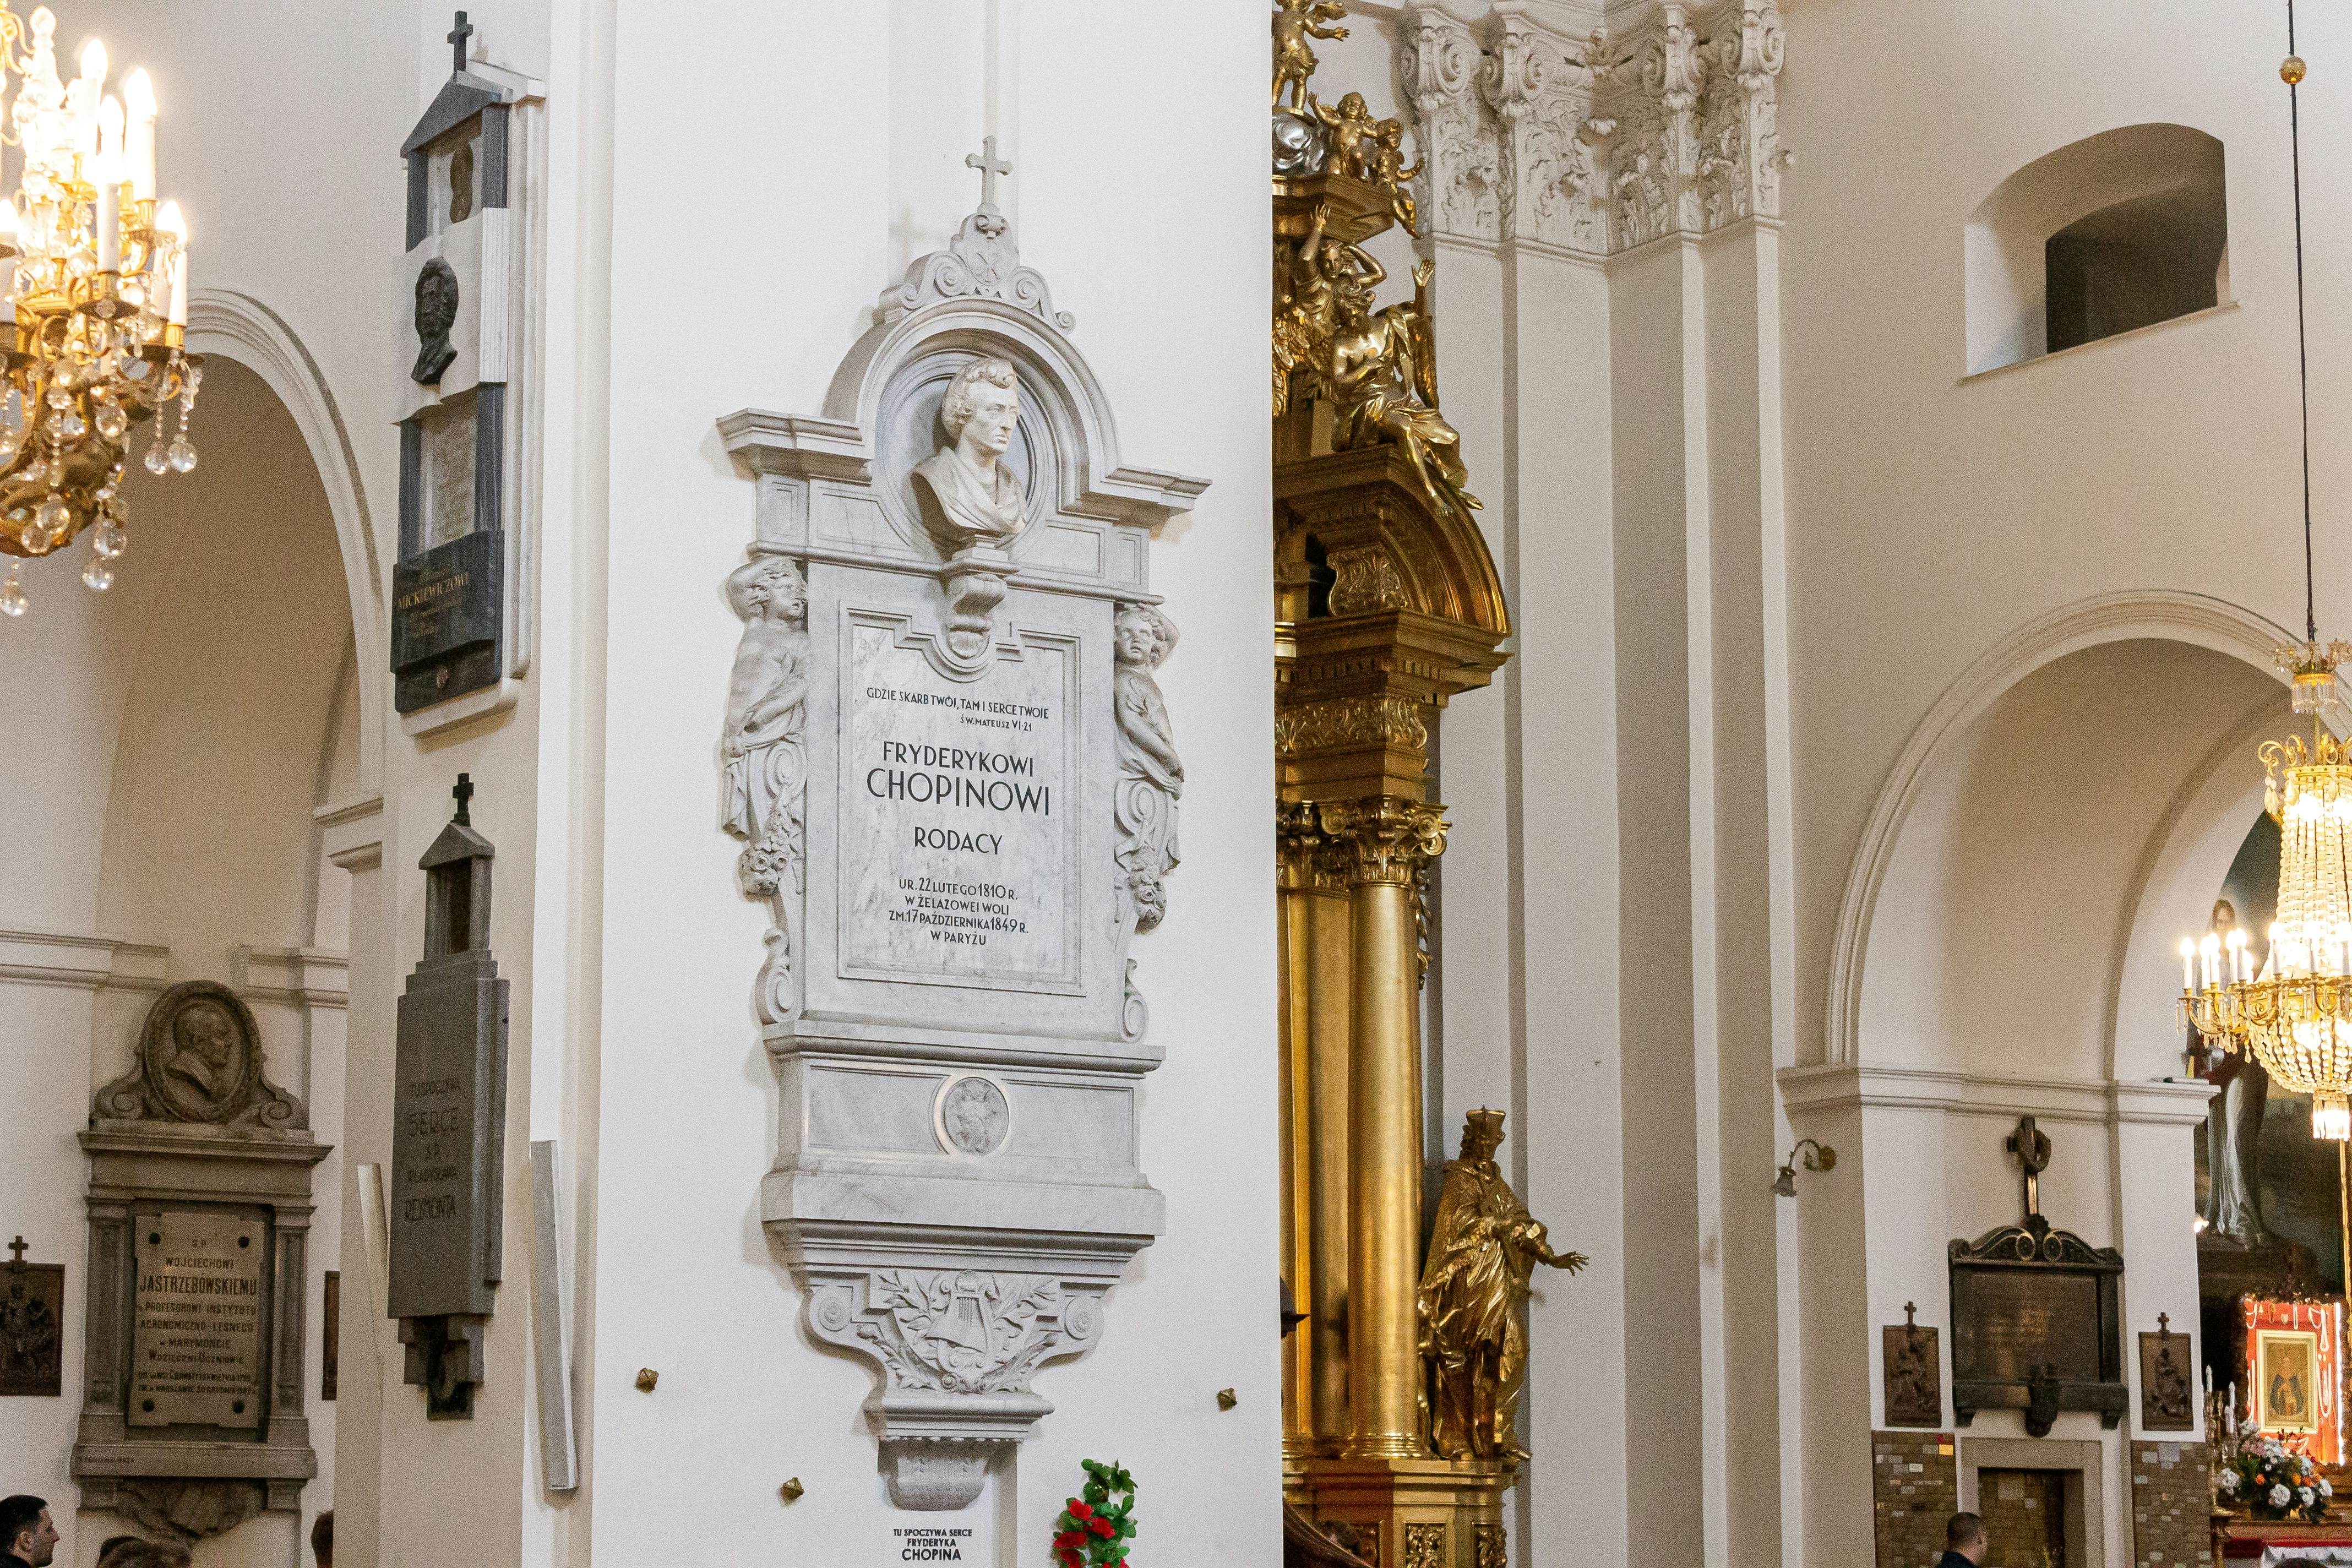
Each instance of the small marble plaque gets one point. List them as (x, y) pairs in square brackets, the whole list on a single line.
[(959, 840), (197, 1331)]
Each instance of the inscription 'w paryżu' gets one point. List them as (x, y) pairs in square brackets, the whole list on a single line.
[(956, 857)]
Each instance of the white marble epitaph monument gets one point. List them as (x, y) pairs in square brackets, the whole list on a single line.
[(956, 787)]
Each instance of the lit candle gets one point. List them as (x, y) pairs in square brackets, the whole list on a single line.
[(2209, 950), (106, 174), (168, 219), (139, 138), (2188, 965), (85, 95)]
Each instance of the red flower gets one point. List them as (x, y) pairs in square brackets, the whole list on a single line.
[(1080, 1510), (1102, 1527), (1070, 1557), (1070, 1537)]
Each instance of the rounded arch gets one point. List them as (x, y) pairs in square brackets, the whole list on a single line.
[(239, 327), (2197, 620)]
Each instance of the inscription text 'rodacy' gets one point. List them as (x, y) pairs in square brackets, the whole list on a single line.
[(955, 848)]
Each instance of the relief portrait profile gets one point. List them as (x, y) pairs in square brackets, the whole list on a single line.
[(436, 314)]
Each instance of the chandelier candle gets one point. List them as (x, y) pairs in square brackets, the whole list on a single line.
[(94, 271)]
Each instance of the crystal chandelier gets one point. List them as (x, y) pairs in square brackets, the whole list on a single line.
[(2292, 1009), (96, 272)]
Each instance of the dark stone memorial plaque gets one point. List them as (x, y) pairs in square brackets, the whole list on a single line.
[(2036, 1317), (199, 1327), (445, 620), (32, 1337), (449, 1126)]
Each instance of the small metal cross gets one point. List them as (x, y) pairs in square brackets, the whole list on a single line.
[(457, 37), (990, 167), (2032, 1151), (16, 1253), (2164, 1325), (465, 793), (1910, 1315)]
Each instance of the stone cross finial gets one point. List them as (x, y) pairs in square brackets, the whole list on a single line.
[(989, 167), (16, 1253), (464, 792), (1911, 1316), (2164, 1325), (458, 35)]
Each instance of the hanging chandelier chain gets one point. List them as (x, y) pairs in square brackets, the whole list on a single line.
[(2302, 352)]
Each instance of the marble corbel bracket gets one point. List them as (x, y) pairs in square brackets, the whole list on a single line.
[(957, 1348)]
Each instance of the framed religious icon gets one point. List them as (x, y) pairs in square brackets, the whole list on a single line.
[(32, 1306), (2286, 1381)]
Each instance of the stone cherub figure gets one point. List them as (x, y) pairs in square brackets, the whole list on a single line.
[(1483, 1249), (980, 498), (767, 757), (1151, 774), (1380, 367), (436, 313), (1294, 23)]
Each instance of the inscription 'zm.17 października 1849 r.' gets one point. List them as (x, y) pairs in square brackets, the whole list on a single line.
[(954, 782)]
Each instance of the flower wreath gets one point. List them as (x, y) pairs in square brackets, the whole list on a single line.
[(1093, 1531)]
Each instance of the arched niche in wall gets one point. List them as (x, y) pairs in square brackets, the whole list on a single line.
[(229, 631), (2106, 235), (2058, 821)]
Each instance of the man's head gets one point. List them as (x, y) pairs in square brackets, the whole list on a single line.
[(1964, 1534), (25, 1533), (322, 1539), (984, 400), (205, 1029)]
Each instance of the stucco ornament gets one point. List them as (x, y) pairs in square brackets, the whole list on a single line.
[(1601, 142)]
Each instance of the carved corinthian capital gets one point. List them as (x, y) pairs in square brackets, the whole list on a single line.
[(1385, 838), (1461, 156), (1597, 144)]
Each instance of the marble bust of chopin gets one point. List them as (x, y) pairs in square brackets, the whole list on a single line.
[(978, 498)]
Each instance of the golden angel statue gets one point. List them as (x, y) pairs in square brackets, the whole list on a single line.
[(1381, 369), (1481, 1252)]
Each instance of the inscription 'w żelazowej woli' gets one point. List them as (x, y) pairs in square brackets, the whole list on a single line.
[(958, 839), (196, 1324)]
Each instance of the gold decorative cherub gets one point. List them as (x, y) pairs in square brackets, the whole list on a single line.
[(1483, 1249), (1390, 172), (1296, 21), (1353, 134)]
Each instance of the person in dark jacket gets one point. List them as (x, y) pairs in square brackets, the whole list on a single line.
[(26, 1535), (1964, 1541)]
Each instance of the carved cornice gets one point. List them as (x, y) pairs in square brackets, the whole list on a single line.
[(1601, 143)]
